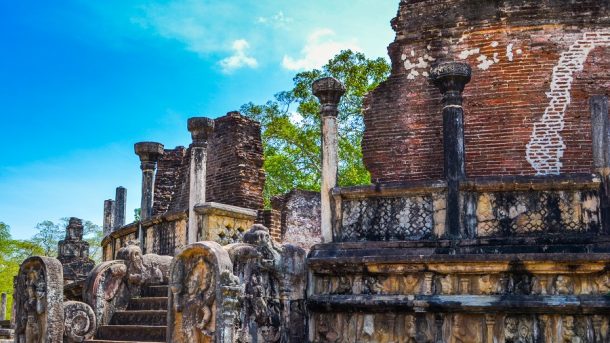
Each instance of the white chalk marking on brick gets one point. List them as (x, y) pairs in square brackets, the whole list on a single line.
[(546, 146)]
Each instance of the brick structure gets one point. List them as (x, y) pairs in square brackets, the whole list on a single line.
[(235, 162), (168, 171), (535, 65), (234, 168)]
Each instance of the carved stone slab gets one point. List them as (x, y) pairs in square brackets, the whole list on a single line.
[(204, 295), (274, 277), (38, 297), (106, 290)]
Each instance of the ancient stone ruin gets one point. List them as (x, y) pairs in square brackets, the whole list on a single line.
[(488, 220)]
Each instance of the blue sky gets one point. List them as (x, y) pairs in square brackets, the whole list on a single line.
[(82, 80)]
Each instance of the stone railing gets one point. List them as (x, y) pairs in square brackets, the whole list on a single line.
[(168, 233), (489, 207)]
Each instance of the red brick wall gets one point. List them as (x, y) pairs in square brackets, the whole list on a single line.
[(514, 48), (169, 173), (234, 168), (235, 173)]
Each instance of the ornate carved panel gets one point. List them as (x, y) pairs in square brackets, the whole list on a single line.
[(387, 218), (39, 313), (536, 212), (205, 296)]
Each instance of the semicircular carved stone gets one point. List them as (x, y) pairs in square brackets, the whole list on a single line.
[(204, 296), (106, 289), (79, 321), (38, 297)]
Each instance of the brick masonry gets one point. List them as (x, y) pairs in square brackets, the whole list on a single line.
[(234, 168), (535, 65)]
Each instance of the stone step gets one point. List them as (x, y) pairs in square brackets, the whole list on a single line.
[(149, 303), (131, 333), (155, 291), (140, 317)]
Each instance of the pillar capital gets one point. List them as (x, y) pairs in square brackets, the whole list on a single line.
[(149, 153), (201, 128), (329, 91), (451, 78)]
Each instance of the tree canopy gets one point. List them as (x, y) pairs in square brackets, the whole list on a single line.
[(12, 253), (291, 125)]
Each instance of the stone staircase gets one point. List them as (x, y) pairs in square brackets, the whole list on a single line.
[(144, 320)]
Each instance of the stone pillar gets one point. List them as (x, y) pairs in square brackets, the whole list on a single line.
[(600, 125), (108, 216), (3, 306), (149, 153), (451, 78), (201, 129), (120, 204), (329, 91)]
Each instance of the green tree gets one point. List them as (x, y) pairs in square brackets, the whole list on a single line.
[(291, 125), (12, 254)]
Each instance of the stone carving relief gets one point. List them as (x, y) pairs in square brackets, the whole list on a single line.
[(142, 269), (373, 328), (79, 322), (564, 285), (445, 284), (466, 329), (106, 290), (38, 297), (518, 330), (405, 218), (274, 279), (201, 280)]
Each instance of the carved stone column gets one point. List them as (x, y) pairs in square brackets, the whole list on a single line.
[(149, 153), (201, 129), (600, 125), (108, 216), (451, 78), (329, 91)]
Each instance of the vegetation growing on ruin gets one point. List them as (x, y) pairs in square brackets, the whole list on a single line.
[(291, 125)]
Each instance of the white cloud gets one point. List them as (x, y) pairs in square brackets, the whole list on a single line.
[(321, 46), (187, 21), (239, 59), (278, 20)]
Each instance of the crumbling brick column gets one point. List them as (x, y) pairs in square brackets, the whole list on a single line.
[(329, 91), (149, 153), (451, 78), (201, 129)]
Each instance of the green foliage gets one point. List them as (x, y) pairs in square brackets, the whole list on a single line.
[(291, 126), (49, 234), (12, 253)]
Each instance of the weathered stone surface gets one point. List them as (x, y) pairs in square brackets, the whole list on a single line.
[(275, 282), (204, 295), (73, 253), (300, 218), (38, 299), (79, 322), (106, 290), (142, 270)]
